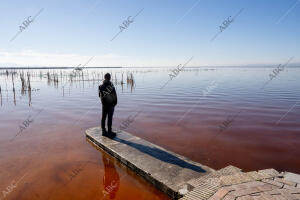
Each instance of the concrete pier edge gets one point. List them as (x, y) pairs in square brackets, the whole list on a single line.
[(159, 185), (227, 183)]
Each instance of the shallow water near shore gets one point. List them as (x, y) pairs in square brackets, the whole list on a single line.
[(215, 116)]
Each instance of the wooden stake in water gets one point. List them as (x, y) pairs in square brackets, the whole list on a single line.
[(122, 82), (0, 95), (12, 78)]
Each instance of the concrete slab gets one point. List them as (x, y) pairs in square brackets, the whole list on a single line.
[(167, 171), (292, 177), (265, 184)]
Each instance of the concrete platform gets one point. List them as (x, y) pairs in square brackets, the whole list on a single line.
[(167, 171), (265, 184), (182, 178)]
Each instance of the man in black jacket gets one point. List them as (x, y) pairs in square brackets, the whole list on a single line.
[(109, 100)]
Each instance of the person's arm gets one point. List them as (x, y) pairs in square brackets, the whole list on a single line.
[(99, 90), (115, 93)]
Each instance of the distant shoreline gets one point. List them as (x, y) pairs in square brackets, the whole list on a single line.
[(5, 68), (167, 67)]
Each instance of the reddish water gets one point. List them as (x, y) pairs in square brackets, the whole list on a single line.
[(184, 117)]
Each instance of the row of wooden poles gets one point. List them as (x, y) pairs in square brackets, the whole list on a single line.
[(54, 78)]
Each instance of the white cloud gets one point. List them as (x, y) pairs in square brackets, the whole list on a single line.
[(30, 58)]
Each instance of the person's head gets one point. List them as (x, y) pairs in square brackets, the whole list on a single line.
[(107, 77)]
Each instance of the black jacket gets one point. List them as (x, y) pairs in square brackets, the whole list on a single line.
[(107, 93)]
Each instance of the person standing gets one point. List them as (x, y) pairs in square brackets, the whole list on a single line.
[(109, 100)]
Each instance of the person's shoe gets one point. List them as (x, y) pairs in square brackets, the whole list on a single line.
[(111, 134), (104, 132)]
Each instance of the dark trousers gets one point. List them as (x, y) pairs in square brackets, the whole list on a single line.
[(107, 111)]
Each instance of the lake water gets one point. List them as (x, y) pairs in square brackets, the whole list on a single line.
[(215, 116)]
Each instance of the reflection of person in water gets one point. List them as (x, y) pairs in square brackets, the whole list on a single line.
[(111, 178)]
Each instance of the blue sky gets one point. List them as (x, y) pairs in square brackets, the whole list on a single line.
[(165, 33)]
